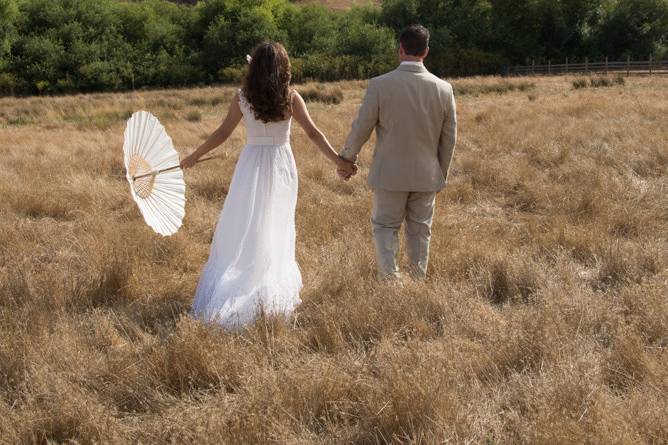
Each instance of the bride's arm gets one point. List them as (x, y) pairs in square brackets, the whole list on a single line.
[(219, 136), (301, 115)]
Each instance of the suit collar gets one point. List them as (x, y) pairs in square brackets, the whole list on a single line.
[(412, 68)]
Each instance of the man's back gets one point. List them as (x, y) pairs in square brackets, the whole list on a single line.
[(414, 114)]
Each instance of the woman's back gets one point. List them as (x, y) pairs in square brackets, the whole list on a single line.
[(261, 133)]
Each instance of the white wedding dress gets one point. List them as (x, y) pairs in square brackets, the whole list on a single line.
[(251, 265)]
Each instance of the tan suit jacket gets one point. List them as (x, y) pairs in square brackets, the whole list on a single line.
[(415, 119)]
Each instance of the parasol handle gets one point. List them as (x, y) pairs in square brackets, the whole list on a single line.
[(157, 172)]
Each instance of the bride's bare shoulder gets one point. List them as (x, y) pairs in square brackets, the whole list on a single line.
[(295, 97)]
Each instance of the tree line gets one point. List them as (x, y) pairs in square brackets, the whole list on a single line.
[(63, 46)]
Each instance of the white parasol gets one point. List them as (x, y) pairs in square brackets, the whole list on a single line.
[(153, 171)]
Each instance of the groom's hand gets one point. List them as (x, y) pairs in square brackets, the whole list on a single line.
[(343, 174), (346, 169)]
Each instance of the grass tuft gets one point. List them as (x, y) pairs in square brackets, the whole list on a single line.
[(503, 87), (323, 94), (598, 82), (193, 116)]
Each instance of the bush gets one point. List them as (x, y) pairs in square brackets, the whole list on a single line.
[(231, 74), (8, 84)]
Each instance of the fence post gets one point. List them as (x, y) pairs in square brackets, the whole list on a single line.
[(606, 65), (549, 66), (628, 66), (533, 67), (650, 64), (587, 65), (566, 65)]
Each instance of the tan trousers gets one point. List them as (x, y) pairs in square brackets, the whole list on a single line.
[(390, 209)]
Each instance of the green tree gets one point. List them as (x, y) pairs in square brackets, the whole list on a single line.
[(159, 52), (227, 30), (8, 15), (52, 46), (311, 29), (633, 27), (461, 31), (9, 12), (362, 35)]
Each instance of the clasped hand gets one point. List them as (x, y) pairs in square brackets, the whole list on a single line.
[(346, 169)]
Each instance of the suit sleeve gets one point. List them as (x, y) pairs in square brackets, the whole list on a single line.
[(446, 145), (363, 125)]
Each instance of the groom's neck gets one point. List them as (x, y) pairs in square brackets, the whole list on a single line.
[(407, 58)]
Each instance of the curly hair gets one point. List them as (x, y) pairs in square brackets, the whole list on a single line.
[(266, 85)]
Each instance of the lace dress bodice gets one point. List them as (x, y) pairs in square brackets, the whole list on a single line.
[(261, 133)]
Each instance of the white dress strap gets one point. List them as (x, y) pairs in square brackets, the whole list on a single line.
[(242, 99)]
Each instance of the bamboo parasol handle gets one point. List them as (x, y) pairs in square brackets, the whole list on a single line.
[(157, 172)]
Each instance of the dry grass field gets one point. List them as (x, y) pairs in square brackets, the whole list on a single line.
[(544, 319)]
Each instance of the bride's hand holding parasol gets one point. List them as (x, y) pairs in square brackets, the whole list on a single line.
[(189, 161)]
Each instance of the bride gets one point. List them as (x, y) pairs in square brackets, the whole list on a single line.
[(251, 266)]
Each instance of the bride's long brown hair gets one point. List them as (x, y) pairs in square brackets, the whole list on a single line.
[(266, 85)]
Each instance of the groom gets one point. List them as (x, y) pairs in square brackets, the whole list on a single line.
[(414, 115)]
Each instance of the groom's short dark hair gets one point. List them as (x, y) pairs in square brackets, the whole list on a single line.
[(414, 39)]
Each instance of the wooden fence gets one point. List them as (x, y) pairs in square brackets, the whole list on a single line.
[(627, 67)]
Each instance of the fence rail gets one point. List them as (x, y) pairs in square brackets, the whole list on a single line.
[(628, 67)]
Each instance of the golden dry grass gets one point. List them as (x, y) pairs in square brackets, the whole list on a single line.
[(544, 320)]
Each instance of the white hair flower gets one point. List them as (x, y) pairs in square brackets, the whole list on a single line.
[(248, 58)]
